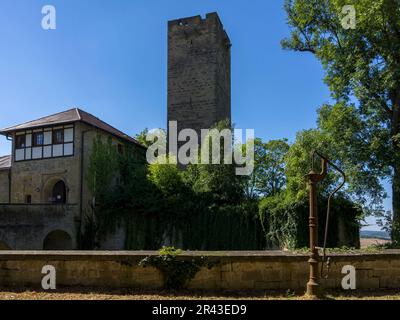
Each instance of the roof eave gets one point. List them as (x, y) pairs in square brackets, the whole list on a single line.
[(14, 129)]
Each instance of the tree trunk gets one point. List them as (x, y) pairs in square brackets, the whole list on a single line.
[(396, 170), (396, 205)]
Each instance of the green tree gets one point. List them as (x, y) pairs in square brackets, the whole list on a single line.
[(166, 177), (141, 137), (298, 162), (268, 176), (250, 183), (219, 181), (271, 175), (285, 213), (355, 147), (361, 63)]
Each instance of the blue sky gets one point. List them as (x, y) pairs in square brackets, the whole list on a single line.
[(110, 59)]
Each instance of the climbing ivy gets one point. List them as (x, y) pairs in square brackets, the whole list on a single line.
[(286, 221), (204, 207), (177, 273)]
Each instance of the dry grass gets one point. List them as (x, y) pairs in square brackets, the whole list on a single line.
[(98, 294), (368, 242)]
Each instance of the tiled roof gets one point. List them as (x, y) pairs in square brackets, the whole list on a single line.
[(5, 162), (69, 116)]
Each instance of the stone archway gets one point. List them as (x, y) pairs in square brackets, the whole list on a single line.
[(55, 191), (4, 246), (57, 240)]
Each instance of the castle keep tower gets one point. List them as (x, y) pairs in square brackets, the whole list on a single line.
[(199, 76)]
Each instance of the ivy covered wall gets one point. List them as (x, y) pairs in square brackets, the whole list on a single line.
[(204, 207)]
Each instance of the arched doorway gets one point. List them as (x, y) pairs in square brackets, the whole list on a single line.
[(59, 193), (4, 246), (57, 240)]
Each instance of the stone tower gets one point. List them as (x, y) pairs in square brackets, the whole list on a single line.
[(199, 72)]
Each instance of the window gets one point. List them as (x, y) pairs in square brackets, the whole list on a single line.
[(58, 136), (20, 141), (44, 143), (28, 199), (38, 139)]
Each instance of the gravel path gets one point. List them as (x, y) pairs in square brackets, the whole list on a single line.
[(96, 294)]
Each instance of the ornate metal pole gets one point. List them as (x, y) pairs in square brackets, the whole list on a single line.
[(313, 286)]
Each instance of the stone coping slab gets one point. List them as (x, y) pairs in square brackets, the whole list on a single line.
[(220, 255)]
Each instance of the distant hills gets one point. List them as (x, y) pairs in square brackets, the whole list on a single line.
[(374, 234)]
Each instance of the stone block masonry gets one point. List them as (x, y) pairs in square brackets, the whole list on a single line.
[(199, 76), (258, 270)]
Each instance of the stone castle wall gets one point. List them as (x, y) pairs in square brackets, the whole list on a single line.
[(25, 227), (231, 271)]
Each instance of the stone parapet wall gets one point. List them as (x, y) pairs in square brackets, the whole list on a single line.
[(25, 226), (268, 270)]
